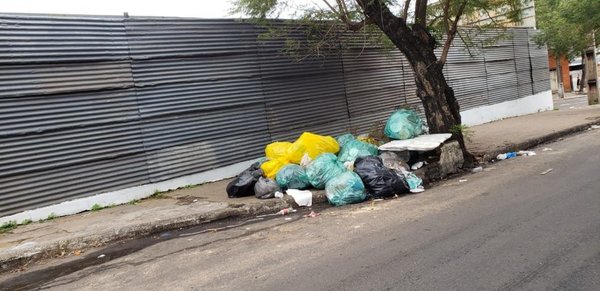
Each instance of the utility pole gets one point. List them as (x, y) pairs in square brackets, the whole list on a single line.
[(592, 73)]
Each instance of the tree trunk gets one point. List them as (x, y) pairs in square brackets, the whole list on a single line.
[(559, 80), (415, 42), (583, 74)]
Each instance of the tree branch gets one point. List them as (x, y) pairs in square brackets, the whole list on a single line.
[(452, 32), (405, 9), (421, 12)]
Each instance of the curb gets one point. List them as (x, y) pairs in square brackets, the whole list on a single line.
[(486, 157), (24, 257)]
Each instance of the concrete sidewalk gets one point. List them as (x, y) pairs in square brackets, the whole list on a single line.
[(205, 203)]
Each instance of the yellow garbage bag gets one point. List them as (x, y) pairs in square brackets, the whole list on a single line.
[(271, 167), (313, 145), (277, 150)]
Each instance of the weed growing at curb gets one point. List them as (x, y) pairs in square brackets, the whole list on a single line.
[(51, 216), (466, 131), (8, 226), (96, 207)]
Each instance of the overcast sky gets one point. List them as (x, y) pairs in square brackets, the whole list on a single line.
[(183, 8)]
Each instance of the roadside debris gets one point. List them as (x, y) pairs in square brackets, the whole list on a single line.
[(477, 169), (312, 214), (101, 256), (322, 169), (526, 153), (546, 172), (403, 124), (462, 180), (265, 188), (346, 188), (546, 149), (416, 166), (379, 181), (301, 197), (286, 211), (426, 142), (505, 156), (243, 184), (595, 126), (347, 167)]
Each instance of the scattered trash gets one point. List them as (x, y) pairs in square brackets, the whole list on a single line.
[(546, 149), (489, 169), (265, 188), (505, 156), (403, 124), (277, 150), (462, 180), (595, 126), (526, 153), (271, 167), (322, 169), (395, 160), (477, 169), (292, 176), (346, 188), (286, 211), (344, 138), (278, 194), (415, 184), (349, 166), (426, 142), (378, 180), (312, 214), (288, 218), (243, 184), (301, 197), (546, 172), (313, 145), (305, 160), (416, 166), (355, 149), (101, 256), (77, 252)]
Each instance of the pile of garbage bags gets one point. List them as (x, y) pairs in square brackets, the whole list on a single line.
[(350, 169)]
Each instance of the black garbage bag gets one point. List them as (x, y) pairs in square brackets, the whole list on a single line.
[(243, 184), (265, 188), (379, 181)]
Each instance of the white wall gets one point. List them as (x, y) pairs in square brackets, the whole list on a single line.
[(526, 105)]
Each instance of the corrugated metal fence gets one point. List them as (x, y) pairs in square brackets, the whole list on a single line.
[(95, 104)]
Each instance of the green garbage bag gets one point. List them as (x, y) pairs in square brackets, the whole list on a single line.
[(344, 138), (292, 176), (403, 124), (345, 188), (322, 169), (355, 149)]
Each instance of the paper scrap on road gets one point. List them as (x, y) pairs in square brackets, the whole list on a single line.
[(546, 172), (426, 142)]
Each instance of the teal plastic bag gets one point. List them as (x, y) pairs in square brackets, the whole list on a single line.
[(413, 181), (403, 124), (344, 138), (355, 149), (322, 169), (345, 188), (292, 176)]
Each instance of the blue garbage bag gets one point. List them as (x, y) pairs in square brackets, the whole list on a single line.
[(292, 176), (403, 124), (355, 149), (345, 188), (322, 169)]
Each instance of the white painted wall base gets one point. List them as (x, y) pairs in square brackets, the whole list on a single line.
[(526, 105), (126, 195)]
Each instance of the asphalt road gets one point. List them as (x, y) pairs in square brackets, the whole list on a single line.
[(507, 228)]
